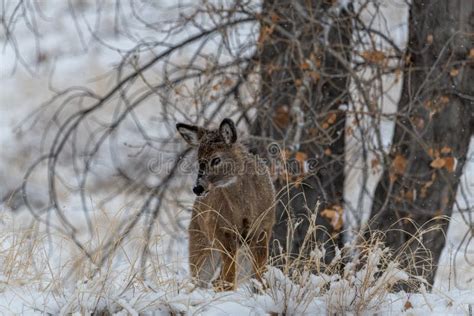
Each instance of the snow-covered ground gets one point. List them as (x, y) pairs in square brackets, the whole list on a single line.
[(43, 271)]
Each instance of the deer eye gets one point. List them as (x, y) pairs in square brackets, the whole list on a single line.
[(215, 161)]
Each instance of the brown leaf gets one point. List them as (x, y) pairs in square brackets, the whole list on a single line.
[(446, 150), (281, 117), (374, 163), (438, 163), (419, 122), (374, 56), (430, 152), (450, 163), (399, 164), (331, 118), (265, 32), (433, 152), (454, 72), (429, 39), (444, 99), (334, 214), (407, 305), (275, 18), (314, 75), (304, 66), (301, 156)]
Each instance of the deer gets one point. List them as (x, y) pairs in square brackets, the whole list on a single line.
[(234, 205)]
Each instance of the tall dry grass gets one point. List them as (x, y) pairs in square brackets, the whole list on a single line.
[(47, 273)]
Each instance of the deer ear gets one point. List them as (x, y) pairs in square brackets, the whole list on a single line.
[(228, 131), (191, 133)]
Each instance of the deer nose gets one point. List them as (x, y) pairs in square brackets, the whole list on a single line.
[(198, 190)]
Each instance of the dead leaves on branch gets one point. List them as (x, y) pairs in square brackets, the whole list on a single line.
[(294, 167), (330, 120), (265, 33), (437, 104), (375, 57), (398, 167), (267, 30), (282, 117), (449, 163), (290, 167), (442, 158)]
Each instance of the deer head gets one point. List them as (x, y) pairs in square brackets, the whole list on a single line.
[(218, 157)]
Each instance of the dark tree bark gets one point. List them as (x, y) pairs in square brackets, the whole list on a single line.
[(417, 191), (303, 85)]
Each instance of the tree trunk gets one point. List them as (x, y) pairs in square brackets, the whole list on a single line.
[(417, 190), (303, 86)]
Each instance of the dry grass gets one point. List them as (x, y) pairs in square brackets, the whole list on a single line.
[(47, 273)]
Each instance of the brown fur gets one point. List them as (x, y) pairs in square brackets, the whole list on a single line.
[(238, 209)]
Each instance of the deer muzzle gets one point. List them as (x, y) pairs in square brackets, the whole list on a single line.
[(201, 188), (198, 190)]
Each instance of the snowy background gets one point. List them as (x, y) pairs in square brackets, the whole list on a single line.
[(64, 44)]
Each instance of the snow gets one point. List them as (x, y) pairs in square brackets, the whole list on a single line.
[(47, 273), (47, 286)]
